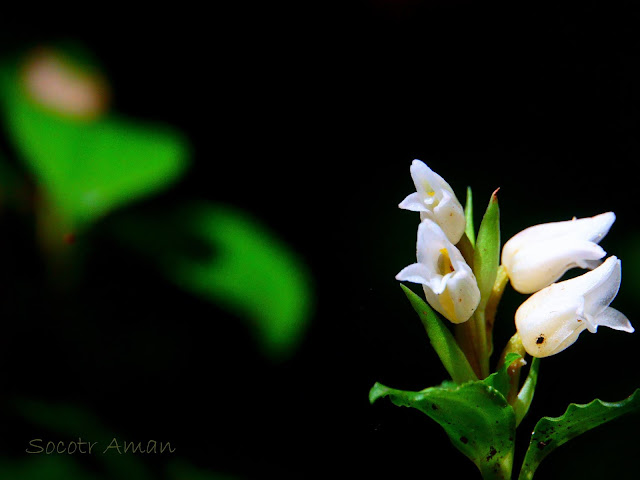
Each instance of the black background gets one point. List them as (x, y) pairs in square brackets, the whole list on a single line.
[(308, 115)]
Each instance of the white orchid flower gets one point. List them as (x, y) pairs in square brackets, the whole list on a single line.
[(551, 320), (449, 284), (539, 255), (435, 200)]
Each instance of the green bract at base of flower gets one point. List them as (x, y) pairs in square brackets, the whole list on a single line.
[(475, 336)]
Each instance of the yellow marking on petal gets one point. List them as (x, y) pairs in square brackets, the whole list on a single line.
[(444, 262), (447, 305), (428, 189)]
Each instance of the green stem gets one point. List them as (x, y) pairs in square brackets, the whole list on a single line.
[(465, 337), (481, 342)]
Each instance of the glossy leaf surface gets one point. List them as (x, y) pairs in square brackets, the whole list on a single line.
[(476, 417), (550, 433)]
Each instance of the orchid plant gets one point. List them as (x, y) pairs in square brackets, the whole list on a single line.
[(463, 278)]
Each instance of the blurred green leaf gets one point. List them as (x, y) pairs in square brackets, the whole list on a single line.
[(89, 168), (476, 417), (549, 433), (487, 253), (251, 272), (442, 340)]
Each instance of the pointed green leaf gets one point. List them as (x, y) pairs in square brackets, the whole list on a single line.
[(525, 397), (442, 340), (500, 380), (468, 215), (550, 433), (487, 252), (476, 417), (88, 168)]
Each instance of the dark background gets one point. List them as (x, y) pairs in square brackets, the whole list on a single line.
[(308, 115)]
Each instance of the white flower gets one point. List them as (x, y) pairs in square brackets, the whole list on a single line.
[(551, 320), (449, 284), (435, 200), (540, 255)]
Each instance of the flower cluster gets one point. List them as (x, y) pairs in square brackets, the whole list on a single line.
[(534, 260)]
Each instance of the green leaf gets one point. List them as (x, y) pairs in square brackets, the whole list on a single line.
[(476, 417), (468, 215), (251, 272), (487, 252), (550, 433), (500, 380), (89, 168), (442, 340), (525, 396)]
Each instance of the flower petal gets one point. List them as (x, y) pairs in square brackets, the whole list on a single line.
[(415, 273), (551, 319), (599, 287), (414, 203), (431, 240), (590, 228), (435, 200), (612, 318), (532, 269), (426, 180), (449, 214), (465, 294), (540, 255), (449, 284)]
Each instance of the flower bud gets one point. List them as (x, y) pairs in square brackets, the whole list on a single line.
[(540, 255), (449, 284), (435, 200), (551, 320)]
